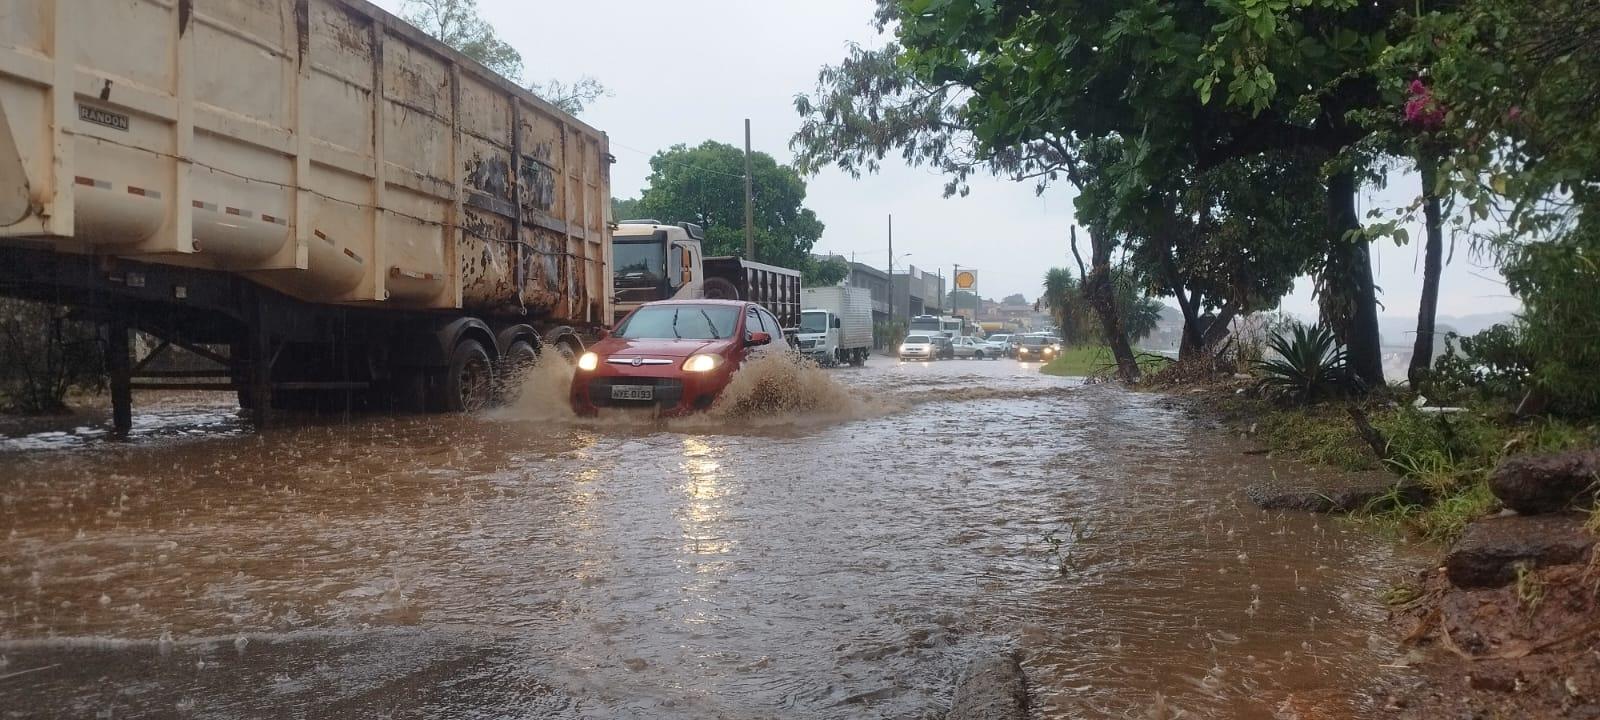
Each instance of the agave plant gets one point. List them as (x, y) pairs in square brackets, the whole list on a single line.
[(1305, 363)]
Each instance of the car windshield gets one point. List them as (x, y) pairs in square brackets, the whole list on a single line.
[(689, 322), (639, 264), (1035, 341), (917, 339), (813, 322)]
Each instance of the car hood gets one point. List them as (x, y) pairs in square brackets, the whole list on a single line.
[(652, 347)]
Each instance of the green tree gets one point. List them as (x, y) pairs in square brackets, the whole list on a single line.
[(1029, 88), (1515, 87), (826, 272), (625, 209), (1014, 299), (1063, 297), (705, 185), (457, 23), (571, 97)]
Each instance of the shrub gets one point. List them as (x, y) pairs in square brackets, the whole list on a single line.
[(1492, 365), (43, 354), (1309, 364), (1558, 282)]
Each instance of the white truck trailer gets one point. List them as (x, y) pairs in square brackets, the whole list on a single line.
[(836, 324), (352, 210)]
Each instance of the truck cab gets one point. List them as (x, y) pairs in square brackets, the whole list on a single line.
[(652, 261), (819, 334)]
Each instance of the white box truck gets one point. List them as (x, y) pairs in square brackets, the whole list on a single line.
[(358, 211), (836, 325)]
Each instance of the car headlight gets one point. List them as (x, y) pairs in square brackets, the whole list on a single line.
[(588, 361), (702, 363), (902, 348), (1049, 349)]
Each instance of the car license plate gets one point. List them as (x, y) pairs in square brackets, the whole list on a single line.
[(633, 392)]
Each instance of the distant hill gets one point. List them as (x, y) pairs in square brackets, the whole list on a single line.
[(1401, 330)]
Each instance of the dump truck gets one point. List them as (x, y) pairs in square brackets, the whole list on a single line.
[(314, 194), (836, 325), (657, 261)]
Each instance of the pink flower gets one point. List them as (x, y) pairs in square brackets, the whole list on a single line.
[(1422, 109)]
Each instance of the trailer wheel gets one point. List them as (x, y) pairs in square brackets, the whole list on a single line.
[(515, 364), (468, 384), (859, 358), (567, 351), (719, 289)]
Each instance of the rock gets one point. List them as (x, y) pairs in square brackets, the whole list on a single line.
[(992, 688), (1488, 554), (1345, 499), (1532, 484)]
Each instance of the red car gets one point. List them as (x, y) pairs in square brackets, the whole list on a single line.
[(673, 356)]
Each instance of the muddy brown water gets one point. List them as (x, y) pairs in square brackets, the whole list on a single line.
[(843, 557)]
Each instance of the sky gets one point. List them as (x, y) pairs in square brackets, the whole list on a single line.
[(686, 71)]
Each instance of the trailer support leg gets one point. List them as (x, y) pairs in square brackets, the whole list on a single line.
[(258, 359), (259, 377), (120, 367)]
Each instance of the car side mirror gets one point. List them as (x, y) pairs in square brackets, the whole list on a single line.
[(758, 338), (837, 324), (602, 333)]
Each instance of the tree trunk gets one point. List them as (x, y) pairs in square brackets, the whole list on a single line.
[(1220, 326), (1357, 318), (1432, 266), (1097, 290), (1189, 305)]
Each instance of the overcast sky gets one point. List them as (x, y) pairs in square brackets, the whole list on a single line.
[(686, 71)]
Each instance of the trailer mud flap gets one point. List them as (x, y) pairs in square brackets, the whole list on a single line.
[(14, 192)]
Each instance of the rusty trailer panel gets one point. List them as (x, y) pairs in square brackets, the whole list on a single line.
[(322, 148)]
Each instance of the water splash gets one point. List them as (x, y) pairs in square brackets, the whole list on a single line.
[(541, 392), (788, 387)]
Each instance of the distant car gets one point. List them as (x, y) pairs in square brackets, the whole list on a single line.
[(918, 347), (1037, 348), (943, 348), (673, 356), (997, 346), (971, 347)]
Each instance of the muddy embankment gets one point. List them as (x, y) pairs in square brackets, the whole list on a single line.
[(1505, 622)]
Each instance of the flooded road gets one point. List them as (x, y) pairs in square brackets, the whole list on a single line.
[(843, 562)]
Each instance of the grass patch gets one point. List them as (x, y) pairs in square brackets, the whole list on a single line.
[(1451, 455), (1095, 361), (1319, 435)]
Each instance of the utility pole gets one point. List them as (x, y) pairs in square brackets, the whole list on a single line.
[(749, 200), (955, 297), (891, 268)]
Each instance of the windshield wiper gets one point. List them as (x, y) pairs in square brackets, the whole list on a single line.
[(675, 325), (712, 327)]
